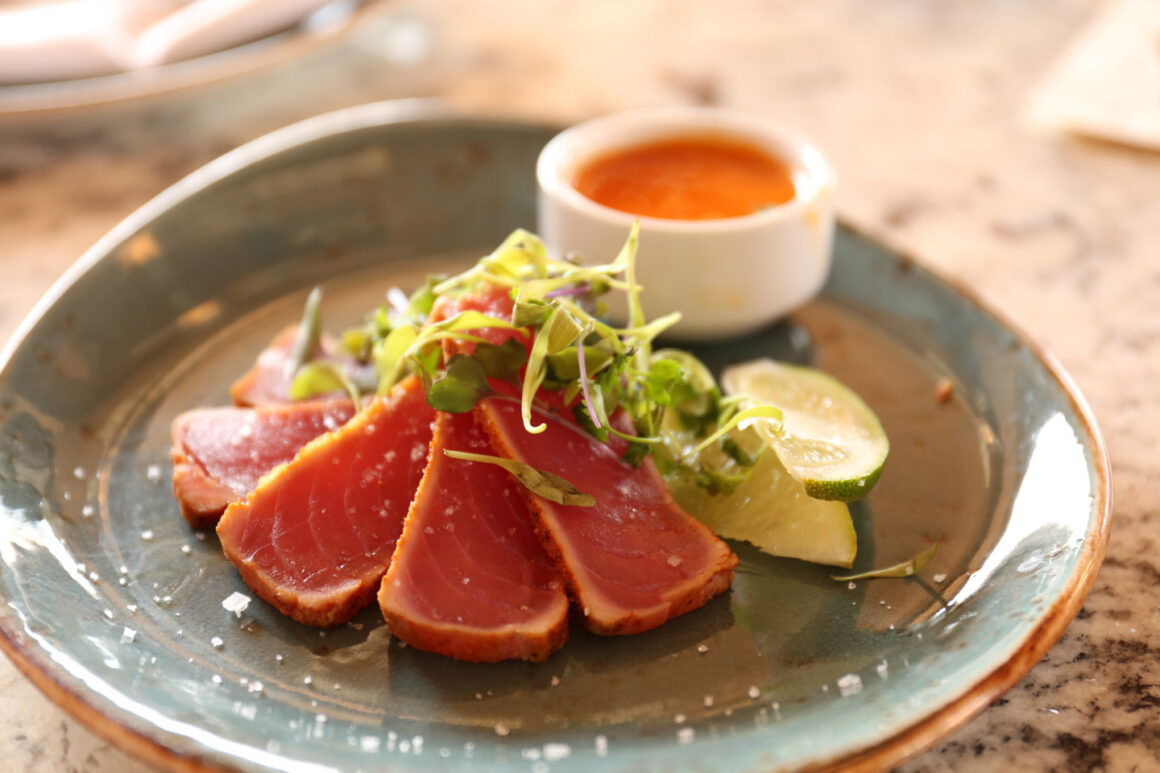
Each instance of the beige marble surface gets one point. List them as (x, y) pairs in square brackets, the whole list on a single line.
[(919, 105)]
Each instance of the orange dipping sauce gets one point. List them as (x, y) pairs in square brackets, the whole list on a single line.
[(688, 178)]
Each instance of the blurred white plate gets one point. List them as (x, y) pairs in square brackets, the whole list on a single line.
[(322, 27)]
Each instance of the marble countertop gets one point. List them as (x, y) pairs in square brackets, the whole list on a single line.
[(919, 104)]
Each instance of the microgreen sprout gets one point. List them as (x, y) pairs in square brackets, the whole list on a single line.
[(597, 367)]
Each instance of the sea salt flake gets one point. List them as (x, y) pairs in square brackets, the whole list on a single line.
[(255, 686), (754, 693), (851, 585), (128, 635), (153, 473), (501, 729), (79, 473), (217, 642), (236, 603), (674, 561), (940, 578), (685, 736), (147, 535), (849, 684), (87, 511), (554, 752), (702, 648)]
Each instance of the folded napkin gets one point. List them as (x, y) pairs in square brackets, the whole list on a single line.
[(1107, 83), (69, 39)]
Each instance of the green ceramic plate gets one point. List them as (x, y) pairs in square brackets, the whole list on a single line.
[(113, 606)]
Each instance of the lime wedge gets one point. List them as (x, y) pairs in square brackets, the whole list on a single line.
[(768, 508), (831, 441), (772, 511)]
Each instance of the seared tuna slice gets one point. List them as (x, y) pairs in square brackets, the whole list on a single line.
[(316, 536), (220, 454), (634, 559), (469, 578)]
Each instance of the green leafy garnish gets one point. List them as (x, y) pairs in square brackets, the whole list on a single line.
[(463, 385), (905, 569), (308, 342), (544, 484), (502, 362), (321, 377), (756, 413)]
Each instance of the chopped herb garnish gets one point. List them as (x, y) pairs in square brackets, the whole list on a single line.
[(544, 484), (906, 568)]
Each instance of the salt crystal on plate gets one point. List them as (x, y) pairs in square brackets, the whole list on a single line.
[(128, 635), (236, 603), (849, 684)]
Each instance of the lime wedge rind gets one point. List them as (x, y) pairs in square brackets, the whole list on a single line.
[(830, 439)]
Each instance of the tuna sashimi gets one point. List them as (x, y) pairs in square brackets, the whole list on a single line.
[(635, 559), (316, 536), (220, 454), (469, 578)]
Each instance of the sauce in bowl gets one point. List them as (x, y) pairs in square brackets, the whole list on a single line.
[(688, 178)]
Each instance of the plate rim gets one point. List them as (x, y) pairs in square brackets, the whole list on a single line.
[(920, 735)]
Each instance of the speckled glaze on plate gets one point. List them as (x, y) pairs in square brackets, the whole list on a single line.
[(113, 606)]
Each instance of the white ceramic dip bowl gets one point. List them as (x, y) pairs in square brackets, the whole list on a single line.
[(726, 276)]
